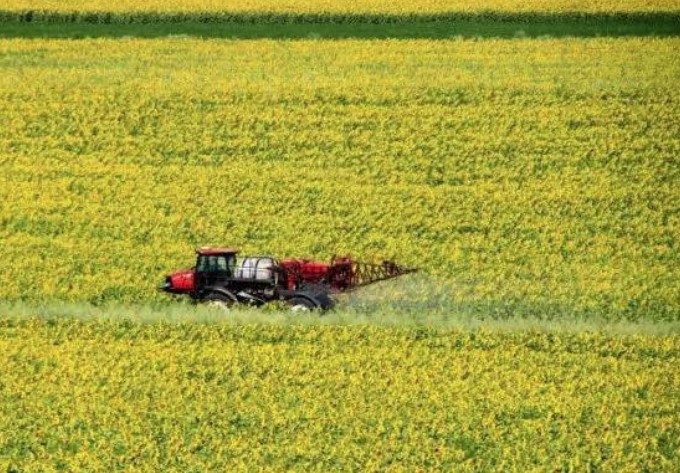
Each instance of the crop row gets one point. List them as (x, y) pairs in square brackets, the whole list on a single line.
[(650, 18), (533, 172)]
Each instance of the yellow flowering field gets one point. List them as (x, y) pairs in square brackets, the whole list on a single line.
[(360, 6), (531, 172), (119, 396), (535, 183)]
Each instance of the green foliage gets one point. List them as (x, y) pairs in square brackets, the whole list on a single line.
[(511, 27)]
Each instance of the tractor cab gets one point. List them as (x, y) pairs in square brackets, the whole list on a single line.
[(216, 260), (214, 266)]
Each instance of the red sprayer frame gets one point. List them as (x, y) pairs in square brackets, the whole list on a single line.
[(342, 274)]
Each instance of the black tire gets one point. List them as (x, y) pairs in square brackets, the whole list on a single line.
[(301, 304), (219, 301)]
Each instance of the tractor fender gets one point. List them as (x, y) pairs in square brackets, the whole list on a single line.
[(223, 292)]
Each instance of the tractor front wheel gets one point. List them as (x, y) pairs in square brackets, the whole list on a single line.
[(219, 301)]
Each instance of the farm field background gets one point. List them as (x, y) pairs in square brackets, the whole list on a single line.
[(115, 395), (535, 176), (532, 177)]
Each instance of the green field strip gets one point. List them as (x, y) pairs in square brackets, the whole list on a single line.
[(36, 24), (350, 314)]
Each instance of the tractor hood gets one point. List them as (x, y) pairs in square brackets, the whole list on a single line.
[(180, 282)]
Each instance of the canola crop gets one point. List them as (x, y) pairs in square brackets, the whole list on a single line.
[(528, 172), (111, 396), (409, 7)]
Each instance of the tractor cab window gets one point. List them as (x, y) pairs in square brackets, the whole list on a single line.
[(215, 263)]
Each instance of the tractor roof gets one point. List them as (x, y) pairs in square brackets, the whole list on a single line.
[(206, 251)]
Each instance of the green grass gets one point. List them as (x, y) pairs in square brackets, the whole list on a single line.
[(416, 301), (294, 26)]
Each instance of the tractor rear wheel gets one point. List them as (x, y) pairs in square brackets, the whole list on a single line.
[(301, 304), (219, 301)]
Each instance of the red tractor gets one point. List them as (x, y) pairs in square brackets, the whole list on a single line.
[(222, 279)]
